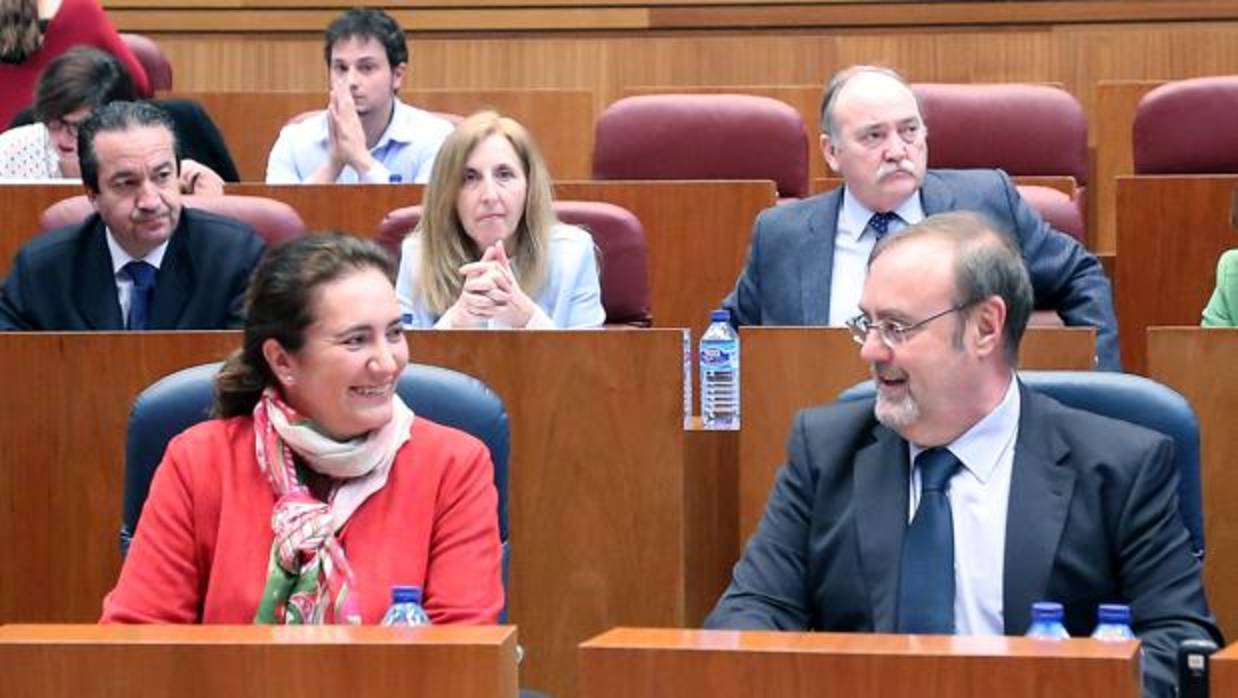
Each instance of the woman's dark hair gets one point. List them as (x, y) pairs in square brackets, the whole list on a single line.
[(21, 32), (280, 305), (81, 77)]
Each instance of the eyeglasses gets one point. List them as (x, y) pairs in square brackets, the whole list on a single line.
[(892, 333), (70, 127)]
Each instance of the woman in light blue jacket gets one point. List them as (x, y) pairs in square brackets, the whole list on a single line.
[(489, 251)]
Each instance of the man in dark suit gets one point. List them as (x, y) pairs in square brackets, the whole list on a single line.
[(806, 259), (1013, 498), (141, 261)]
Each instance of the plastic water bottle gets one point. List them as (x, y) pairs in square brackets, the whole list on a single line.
[(719, 358), (687, 377), (1113, 623), (1047, 622), (406, 607)]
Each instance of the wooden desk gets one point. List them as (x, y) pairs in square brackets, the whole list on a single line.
[(561, 121), (634, 663), (68, 661), (1199, 363), (610, 516), (1171, 230), (1224, 671), (785, 369)]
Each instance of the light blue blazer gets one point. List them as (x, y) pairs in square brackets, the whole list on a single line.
[(571, 296)]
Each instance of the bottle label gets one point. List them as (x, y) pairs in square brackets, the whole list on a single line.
[(716, 357)]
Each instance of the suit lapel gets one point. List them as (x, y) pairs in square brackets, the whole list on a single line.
[(816, 259), (1041, 488), (881, 477), (94, 289), (935, 196), (175, 280)]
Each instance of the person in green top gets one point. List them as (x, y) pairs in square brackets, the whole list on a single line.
[(1222, 309)]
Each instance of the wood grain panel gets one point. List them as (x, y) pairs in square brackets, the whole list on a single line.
[(1113, 119), (67, 661), (1199, 363), (1225, 672), (1074, 53), (352, 208), (697, 234), (636, 662), (712, 512), (597, 493), (786, 369), (457, 15), (560, 120), (62, 468), (22, 205), (1171, 230)]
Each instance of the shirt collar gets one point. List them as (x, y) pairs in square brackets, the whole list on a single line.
[(980, 448), (853, 217), (120, 257)]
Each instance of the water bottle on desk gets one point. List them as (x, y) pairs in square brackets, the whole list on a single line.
[(687, 377), (1113, 623), (406, 607), (1047, 622), (719, 357)]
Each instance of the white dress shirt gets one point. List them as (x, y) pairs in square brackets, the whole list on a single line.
[(853, 243), (124, 285), (979, 497)]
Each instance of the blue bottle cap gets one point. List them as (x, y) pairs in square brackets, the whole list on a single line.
[(1115, 613), (405, 594), (1046, 610), (720, 315), (395, 178)]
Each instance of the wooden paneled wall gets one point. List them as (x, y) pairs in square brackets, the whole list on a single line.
[(1075, 55), (607, 50)]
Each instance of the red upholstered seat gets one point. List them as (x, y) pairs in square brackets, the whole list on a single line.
[(623, 257), (1187, 127), (1026, 130), (148, 53), (274, 221), (703, 136), (1058, 209)]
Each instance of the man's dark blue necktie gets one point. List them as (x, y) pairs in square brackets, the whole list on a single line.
[(880, 223), (926, 577), (143, 276)]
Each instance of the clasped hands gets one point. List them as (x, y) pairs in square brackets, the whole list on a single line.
[(346, 136), (491, 292)]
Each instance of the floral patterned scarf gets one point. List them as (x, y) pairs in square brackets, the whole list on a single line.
[(309, 580)]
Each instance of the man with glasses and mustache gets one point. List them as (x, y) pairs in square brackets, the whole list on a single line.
[(806, 260), (956, 498), (141, 261)]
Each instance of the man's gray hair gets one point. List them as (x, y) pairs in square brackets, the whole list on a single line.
[(988, 263)]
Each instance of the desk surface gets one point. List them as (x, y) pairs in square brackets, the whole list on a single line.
[(637, 662), (276, 662)]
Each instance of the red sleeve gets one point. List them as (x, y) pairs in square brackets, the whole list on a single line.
[(160, 581), (84, 22), (464, 581)]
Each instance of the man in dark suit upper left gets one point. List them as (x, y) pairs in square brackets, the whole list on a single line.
[(142, 260)]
